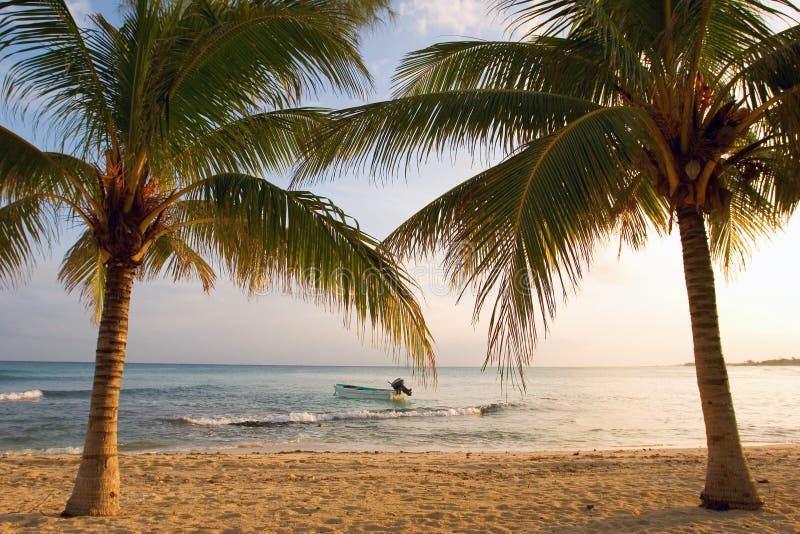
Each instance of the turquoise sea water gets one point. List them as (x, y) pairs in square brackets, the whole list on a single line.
[(43, 408)]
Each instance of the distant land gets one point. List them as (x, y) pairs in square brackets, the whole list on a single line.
[(751, 363)]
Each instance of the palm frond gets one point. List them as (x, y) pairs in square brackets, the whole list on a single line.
[(732, 26), (265, 237), (393, 133), (734, 229), (548, 17), (619, 33), (637, 209), (766, 172), (368, 13), (228, 59), (83, 268), (780, 128), (170, 255), (27, 228), (263, 143), (53, 71), (24, 169), (550, 65), (761, 71), (180, 73), (461, 65), (525, 230)]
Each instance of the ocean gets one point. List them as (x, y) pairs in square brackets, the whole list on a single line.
[(44, 406)]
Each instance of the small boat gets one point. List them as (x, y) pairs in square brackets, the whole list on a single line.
[(398, 391)]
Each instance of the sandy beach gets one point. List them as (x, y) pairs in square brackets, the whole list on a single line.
[(645, 490)]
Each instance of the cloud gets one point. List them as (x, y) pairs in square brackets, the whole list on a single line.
[(80, 9), (449, 17)]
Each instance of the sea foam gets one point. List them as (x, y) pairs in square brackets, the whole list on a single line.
[(47, 451), (33, 394), (307, 417)]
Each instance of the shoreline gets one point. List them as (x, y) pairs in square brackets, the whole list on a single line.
[(257, 448), (628, 490)]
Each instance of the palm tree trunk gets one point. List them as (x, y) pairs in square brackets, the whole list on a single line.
[(96, 490), (728, 480)]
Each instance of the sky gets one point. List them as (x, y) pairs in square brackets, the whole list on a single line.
[(630, 310)]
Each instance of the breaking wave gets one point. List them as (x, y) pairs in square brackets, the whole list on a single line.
[(496, 407), (67, 393), (307, 417), (33, 394), (137, 392), (48, 451)]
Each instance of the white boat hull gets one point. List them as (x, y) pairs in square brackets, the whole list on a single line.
[(357, 392)]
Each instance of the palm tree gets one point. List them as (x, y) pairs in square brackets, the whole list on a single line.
[(166, 124), (612, 117)]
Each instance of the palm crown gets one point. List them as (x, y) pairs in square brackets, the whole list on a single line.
[(613, 117), (170, 120), (167, 125)]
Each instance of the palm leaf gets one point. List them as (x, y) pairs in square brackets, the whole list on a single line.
[(637, 209), (732, 26), (54, 70), (392, 133), (748, 216), (83, 268), (552, 65), (169, 254), (27, 228), (285, 49), (269, 142), (525, 230), (619, 33), (66, 181), (265, 237)]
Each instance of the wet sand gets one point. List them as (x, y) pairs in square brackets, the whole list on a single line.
[(645, 490)]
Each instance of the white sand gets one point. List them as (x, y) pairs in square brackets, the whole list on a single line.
[(611, 491)]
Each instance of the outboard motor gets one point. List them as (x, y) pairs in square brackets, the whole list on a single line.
[(400, 387)]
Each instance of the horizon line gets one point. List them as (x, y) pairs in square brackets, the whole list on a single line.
[(346, 365)]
